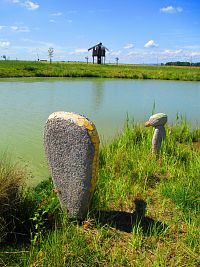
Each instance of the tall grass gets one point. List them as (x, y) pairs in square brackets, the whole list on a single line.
[(41, 69), (12, 178), (144, 212)]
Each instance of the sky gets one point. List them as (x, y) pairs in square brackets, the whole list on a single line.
[(134, 31)]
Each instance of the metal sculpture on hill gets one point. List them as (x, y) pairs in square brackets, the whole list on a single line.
[(99, 51)]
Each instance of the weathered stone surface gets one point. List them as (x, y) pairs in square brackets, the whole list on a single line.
[(157, 121), (72, 150)]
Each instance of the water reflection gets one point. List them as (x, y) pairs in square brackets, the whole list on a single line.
[(98, 94)]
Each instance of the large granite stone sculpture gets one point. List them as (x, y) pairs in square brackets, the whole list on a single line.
[(72, 150), (157, 121)]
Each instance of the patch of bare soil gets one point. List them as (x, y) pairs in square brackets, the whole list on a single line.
[(196, 144)]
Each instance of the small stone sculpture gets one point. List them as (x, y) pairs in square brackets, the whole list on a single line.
[(72, 150), (157, 121)]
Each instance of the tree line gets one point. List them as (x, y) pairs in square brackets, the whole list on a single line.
[(182, 63)]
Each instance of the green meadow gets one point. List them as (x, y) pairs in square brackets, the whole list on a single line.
[(145, 210), (9, 69)]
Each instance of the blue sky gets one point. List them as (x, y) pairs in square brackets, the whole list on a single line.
[(135, 31)]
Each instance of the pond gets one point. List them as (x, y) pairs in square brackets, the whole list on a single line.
[(25, 105)]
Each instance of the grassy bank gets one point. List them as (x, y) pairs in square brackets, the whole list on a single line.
[(44, 69), (145, 210)]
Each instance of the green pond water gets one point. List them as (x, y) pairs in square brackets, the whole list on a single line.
[(25, 105)]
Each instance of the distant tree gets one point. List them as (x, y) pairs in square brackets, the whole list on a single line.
[(4, 57), (117, 59), (50, 52)]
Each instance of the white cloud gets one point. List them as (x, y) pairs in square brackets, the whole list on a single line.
[(30, 5), (128, 46), (192, 47), (69, 21), (171, 9), (4, 44), (195, 54), (172, 52), (150, 43), (133, 53), (15, 28), (115, 53), (27, 4), (2, 27), (52, 20), (19, 29), (79, 51), (57, 14)]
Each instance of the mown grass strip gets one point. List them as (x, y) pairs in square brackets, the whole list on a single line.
[(17, 69)]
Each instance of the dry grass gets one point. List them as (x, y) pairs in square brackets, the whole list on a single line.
[(12, 177)]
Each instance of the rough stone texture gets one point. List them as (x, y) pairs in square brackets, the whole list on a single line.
[(158, 136), (71, 145), (158, 119)]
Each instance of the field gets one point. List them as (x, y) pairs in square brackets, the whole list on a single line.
[(145, 210), (9, 69)]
